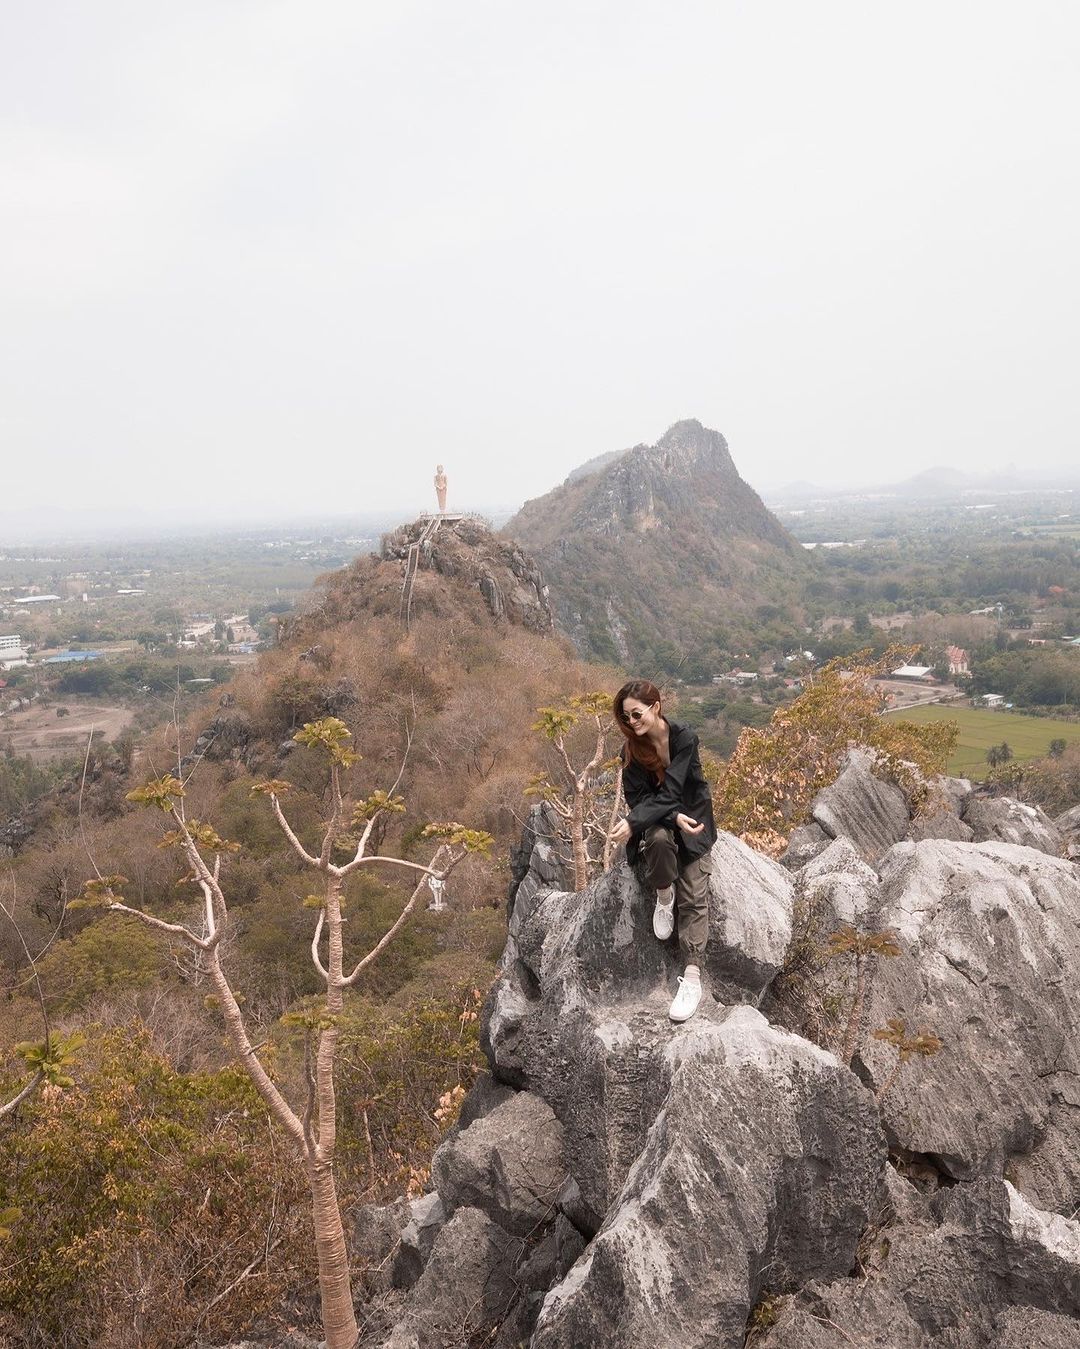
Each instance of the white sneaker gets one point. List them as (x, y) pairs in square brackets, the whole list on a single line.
[(663, 915), (686, 1000)]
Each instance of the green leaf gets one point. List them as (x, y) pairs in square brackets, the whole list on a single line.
[(330, 735), (159, 792), (375, 803), (472, 840)]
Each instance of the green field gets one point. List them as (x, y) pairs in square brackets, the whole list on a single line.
[(1028, 737)]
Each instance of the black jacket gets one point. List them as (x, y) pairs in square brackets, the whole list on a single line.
[(684, 790)]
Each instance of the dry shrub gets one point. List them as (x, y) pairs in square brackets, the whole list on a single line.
[(172, 1186), (1052, 782), (395, 1066)]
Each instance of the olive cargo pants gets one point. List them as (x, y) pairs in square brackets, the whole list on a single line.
[(659, 855)]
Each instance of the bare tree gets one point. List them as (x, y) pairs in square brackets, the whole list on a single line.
[(48, 1058), (580, 797), (311, 1125)]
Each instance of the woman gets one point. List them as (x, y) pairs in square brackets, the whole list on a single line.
[(670, 828)]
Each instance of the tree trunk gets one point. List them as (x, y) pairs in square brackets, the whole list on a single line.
[(577, 838), (851, 1037), (335, 1288)]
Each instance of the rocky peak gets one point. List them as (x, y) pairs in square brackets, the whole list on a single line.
[(465, 549), (621, 1181), (619, 541), (436, 566), (688, 447)]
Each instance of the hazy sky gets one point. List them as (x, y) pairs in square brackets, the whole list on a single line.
[(285, 256)]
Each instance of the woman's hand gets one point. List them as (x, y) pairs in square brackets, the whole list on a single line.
[(687, 825), (621, 833)]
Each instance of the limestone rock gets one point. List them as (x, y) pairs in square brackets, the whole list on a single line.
[(509, 1164), (426, 1218), (750, 907), (484, 1096), (804, 844), (608, 522), (1028, 1328), (839, 887), (569, 1243), (951, 793), (572, 1206), (466, 1284), (1068, 825), (1007, 821), (944, 809), (373, 1241), (985, 1271), (762, 1164), (703, 1180), (1069, 820), (871, 813), (941, 824), (990, 935), (540, 860), (579, 1011)]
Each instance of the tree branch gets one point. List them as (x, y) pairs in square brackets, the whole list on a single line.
[(245, 1052), (393, 861), (176, 929), (571, 776), (286, 829), (315, 945), (9, 1106), (387, 937), (10, 915), (208, 912), (309, 1076), (334, 823), (343, 871)]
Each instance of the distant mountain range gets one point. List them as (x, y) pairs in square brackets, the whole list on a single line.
[(659, 548), (940, 482)]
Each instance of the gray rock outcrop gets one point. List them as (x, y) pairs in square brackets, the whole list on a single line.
[(426, 1218), (1068, 825), (541, 860), (1004, 820), (620, 1181), (509, 1164), (510, 581), (871, 813), (466, 1284), (980, 1269), (804, 844), (942, 816), (607, 523), (839, 887), (762, 1163), (990, 939)]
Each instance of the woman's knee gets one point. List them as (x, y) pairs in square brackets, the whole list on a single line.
[(660, 857)]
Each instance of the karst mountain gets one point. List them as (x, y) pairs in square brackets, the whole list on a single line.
[(661, 550)]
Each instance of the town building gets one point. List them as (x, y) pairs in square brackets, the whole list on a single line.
[(993, 700), (12, 653), (957, 659), (69, 657), (919, 673)]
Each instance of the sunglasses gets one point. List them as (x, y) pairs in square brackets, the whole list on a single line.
[(635, 715)]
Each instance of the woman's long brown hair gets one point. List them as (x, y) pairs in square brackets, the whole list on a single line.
[(637, 749)]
